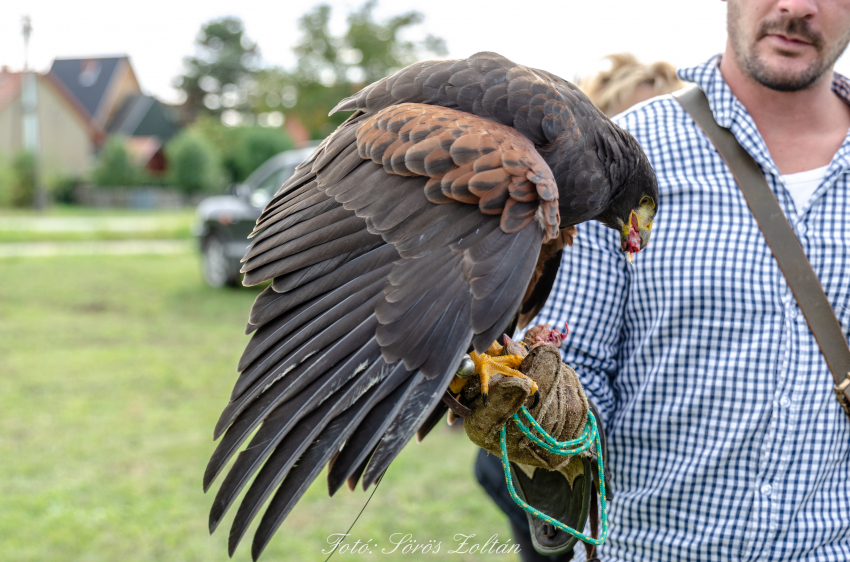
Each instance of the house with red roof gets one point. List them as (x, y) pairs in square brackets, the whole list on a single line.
[(67, 136), (80, 102), (108, 89)]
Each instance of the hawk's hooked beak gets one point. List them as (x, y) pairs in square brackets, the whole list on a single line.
[(635, 235)]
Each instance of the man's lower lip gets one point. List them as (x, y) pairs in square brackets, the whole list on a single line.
[(788, 42)]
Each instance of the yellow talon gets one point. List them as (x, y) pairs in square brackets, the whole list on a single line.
[(486, 366), (489, 363), (495, 349)]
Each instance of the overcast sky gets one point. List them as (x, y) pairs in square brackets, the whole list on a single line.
[(566, 37)]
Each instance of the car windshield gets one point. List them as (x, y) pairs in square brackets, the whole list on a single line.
[(267, 188)]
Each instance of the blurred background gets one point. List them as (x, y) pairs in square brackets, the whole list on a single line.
[(138, 143)]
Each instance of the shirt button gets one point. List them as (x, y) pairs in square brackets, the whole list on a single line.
[(792, 312), (766, 489), (773, 526), (784, 401)]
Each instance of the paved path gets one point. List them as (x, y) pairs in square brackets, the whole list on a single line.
[(95, 248), (91, 224)]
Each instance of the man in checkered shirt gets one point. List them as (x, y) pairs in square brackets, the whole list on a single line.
[(725, 439)]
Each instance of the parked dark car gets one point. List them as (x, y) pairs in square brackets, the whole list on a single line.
[(223, 222)]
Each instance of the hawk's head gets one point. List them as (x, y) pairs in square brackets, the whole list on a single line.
[(633, 208)]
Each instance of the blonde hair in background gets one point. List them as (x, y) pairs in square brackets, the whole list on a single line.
[(628, 82)]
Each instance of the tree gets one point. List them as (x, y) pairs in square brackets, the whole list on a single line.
[(193, 163), (255, 145), (240, 150), (332, 67), (114, 167), (379, 46), (224, 80), (219, 76)]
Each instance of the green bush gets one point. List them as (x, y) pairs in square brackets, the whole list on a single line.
[(18, 181), (241, 149), (21, 191), (114, 167), (6, 178), (255, 145), (63, 187), (223, 139), (193, 163)]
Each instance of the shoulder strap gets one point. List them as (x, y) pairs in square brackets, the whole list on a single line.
[(783, 242)]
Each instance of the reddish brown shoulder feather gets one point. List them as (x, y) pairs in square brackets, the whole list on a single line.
[(468, 159)]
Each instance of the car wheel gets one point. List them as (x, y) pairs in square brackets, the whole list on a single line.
[(219, 270)]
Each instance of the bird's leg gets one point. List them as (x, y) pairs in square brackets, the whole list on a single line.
[(501, 359), (486, 366), (464, 372), (520, 348), (467, 368)]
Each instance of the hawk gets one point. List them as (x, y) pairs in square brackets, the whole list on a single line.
[(419, 230)]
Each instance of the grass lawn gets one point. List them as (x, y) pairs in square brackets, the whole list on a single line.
[(113, 371)]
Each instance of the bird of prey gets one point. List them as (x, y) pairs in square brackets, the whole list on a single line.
[(415, 233)]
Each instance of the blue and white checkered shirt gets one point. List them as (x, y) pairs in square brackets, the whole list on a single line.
[(725, 438)]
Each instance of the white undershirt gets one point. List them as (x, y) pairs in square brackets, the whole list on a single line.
[(802, 185)]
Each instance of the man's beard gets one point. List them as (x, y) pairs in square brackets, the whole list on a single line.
[(751, 63)]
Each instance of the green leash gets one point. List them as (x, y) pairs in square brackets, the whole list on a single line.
[(565, 448)]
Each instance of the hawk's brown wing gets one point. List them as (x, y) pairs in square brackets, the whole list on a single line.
[(412, 233), (581, 146)]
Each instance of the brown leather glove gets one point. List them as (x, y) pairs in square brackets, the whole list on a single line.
[(562, 410)]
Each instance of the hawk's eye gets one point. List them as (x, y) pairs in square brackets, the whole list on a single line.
[(647, 201)]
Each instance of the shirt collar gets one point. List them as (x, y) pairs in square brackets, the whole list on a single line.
[(731, 113), (721, 99)]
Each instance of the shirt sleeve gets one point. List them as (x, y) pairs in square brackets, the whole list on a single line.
[(590, 295)]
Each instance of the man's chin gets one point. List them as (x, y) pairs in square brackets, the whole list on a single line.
[(785, 73)]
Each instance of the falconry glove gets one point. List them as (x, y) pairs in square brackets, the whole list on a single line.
[(559, 486), (561, 410)]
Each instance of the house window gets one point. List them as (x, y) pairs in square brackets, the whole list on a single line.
[(89, 71)]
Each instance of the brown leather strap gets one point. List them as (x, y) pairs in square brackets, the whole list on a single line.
[(459, 409), (780, 237)]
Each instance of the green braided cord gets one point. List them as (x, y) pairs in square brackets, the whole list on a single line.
[(554, 442), (563, 447), (592, 433)]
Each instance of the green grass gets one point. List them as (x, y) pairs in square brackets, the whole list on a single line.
[(113, 371)]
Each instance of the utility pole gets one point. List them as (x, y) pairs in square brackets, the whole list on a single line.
[(29, 99), (27, 30)]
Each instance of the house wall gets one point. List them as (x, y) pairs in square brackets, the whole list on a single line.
[(11, 129), (66, 144)]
